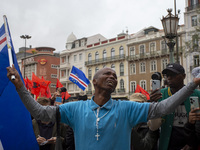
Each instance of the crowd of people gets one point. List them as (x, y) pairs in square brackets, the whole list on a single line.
[(166, 122)]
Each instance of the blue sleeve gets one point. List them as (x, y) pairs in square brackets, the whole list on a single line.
[(67, 111), (136, 112)]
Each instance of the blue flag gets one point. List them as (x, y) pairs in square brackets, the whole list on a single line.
[(79, 78), (16, 130)]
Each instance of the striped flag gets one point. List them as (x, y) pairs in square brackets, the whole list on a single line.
[(16, 131), (79, 78)]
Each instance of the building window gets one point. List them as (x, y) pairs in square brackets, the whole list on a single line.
[(53, 85), (153, 65), (96, 69), (143, 84), (63, 59), (142, 67), (195, 42), (196, 61), (80, 56), (121, 51), (121, 84), (132, 86), (54, 66), (82, 43), (163, 45), (75, 58), (194, 20), (89, 57), (104, 54), (89, 73), (112, 53), (63, 73), (164, 63), (193, 2), (132, 51), (113, 66), (90, 87), (68, 72), (53, 75), (142, 50), (96, 56), (152, 48), (121, 66), (77, 44), (132, 68)]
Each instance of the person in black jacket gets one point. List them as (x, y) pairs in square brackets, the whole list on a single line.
[(192, 130)]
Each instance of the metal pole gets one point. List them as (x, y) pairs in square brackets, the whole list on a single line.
[(177, 51), (25, 60), (171, 45)]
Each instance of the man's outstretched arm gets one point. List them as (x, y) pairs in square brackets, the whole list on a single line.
[(39, 112), (168, 105)]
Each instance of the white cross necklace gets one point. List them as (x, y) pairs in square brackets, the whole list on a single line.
[(97, 121)]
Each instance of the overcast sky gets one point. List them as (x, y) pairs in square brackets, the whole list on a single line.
[(50, 22)]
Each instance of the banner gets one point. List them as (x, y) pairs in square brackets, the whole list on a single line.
[(16, 131)]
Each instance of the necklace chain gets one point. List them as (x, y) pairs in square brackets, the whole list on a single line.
[(97, 121)]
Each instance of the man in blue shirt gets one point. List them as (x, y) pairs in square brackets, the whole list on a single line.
[(102, 123)]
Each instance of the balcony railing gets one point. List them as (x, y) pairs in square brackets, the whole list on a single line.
[(193, 7), (89, 92), (121, 90), (105, 60)]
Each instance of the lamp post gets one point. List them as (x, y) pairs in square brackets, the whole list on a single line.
[(25, 37), (170, 26)]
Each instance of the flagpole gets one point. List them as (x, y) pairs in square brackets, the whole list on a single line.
[(8, 44)]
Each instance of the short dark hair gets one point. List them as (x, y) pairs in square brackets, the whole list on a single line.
[(43, 101)]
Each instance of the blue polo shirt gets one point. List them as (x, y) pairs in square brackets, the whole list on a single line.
[(114, 128)]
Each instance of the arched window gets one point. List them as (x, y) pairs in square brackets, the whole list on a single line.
[(112, 53), (104, 54), (121, 51), (90, 87), (132, 86), (89, 73), (96, 69), (143, 84), (113, 66), (121, 84), (163, 45), (121, 68), (142, 50), (153, 65), (89, 57), (96, 56), (142, 67), (132, 51), (132, 69)]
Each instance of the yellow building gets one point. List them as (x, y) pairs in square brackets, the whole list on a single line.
[(109, 53), (147, 54)]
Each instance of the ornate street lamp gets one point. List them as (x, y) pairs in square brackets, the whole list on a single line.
[(170, 26), (25, 37)]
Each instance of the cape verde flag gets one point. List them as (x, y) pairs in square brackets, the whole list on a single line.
[(79, 78), (16, 130)]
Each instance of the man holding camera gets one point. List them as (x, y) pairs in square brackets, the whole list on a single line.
[(172, 135)]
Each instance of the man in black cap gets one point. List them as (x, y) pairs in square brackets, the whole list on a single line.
[(172, 137)]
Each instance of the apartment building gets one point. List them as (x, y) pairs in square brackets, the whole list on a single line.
[(109, 53)]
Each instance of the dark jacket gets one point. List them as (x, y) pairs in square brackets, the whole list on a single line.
[(192, 134), (142, 138), (54, 134)]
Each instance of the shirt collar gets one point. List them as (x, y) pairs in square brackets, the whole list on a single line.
[(107, 105)]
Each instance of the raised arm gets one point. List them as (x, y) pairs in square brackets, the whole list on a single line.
[(168, 105), (45, 113)]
